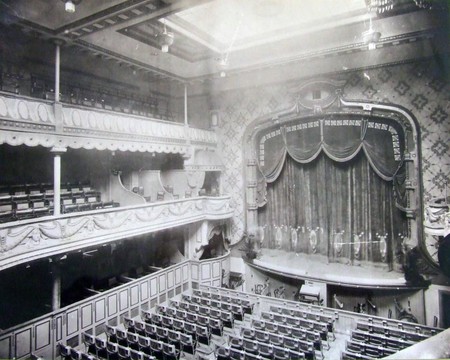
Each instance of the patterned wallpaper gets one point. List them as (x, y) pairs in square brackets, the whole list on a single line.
[(420, 87)]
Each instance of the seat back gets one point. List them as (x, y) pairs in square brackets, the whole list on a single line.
[(132, 338), (128, 322), (100, 343), (110, 330), (64, 350), (111, 347), (150, 329), (124, 352), (121, 334), (88, 339), (136, 355), (156, 345)]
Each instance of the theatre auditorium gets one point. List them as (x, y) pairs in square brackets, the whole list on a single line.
[(224, 179)]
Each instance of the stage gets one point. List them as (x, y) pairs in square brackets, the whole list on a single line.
[(316, 268)]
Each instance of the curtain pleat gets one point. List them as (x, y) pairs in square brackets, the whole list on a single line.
[(343, 211)]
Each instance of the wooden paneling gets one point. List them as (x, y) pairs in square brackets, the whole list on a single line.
[(112, 304), (100, 310), (86, 316), (23, 342), (144, 290), (43, 334), (72, 319)]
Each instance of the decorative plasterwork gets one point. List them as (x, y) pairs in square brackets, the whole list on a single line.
[(33, 239), (31, 122)]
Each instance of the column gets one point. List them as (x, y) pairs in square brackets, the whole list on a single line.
[(57, 151), (57, 70), (55, 270)]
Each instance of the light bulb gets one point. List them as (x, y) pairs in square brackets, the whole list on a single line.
[(70, 6), (165, 48)]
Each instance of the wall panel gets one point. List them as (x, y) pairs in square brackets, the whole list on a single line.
[(43, 334)]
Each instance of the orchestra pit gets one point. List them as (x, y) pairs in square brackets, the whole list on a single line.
[(224, 179)]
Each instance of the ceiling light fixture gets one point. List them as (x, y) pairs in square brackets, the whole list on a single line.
[(69, 5), (165, 39)]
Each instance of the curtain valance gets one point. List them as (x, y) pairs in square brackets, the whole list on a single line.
[(341, 140)]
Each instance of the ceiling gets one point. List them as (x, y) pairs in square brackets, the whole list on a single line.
[(235, 37)]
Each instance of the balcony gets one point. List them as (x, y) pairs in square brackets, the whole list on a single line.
[(25, 120), (28, 240)]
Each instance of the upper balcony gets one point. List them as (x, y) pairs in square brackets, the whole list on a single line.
[(26, 120)]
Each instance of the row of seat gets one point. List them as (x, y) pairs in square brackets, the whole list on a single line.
[(402, 325), (184, 338), (200, 326), (244, 300), (381, 339), (30, 201), (348, 355), (373, 351), (307, 313), (227, 317), (293, 321), (105, 350), (270, 340), (286, 330), (206, 306), (247, 305), (267, 351), (158, 342), (40, 188), (398, 332)]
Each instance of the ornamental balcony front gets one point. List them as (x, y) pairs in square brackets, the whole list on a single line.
[(28, 240), (32, 122)]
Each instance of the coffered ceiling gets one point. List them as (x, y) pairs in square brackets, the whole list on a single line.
[(237, 38)]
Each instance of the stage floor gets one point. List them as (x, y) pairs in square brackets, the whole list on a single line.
[(316, 267)]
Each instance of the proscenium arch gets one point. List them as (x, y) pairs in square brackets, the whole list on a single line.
[(368, 110)]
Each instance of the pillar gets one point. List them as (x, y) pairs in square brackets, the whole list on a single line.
[(57, 179), (57, 71), (56, 284)]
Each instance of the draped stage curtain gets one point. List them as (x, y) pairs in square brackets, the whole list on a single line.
[(332, 188)]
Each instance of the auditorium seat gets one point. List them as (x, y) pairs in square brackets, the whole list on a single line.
[(112, 350), (89, 343), (170, 352), (100, 347), (222, 353), (6, 210), (157, 348), (187, 343), (65, 351), (124, 352)]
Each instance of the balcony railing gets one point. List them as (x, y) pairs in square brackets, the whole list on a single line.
[(28, 240)]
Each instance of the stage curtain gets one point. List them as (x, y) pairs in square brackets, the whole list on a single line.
[(342, 210), (381, 140)]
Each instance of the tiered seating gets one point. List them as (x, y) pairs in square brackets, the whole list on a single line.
[(19, 202), (378, 338)]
